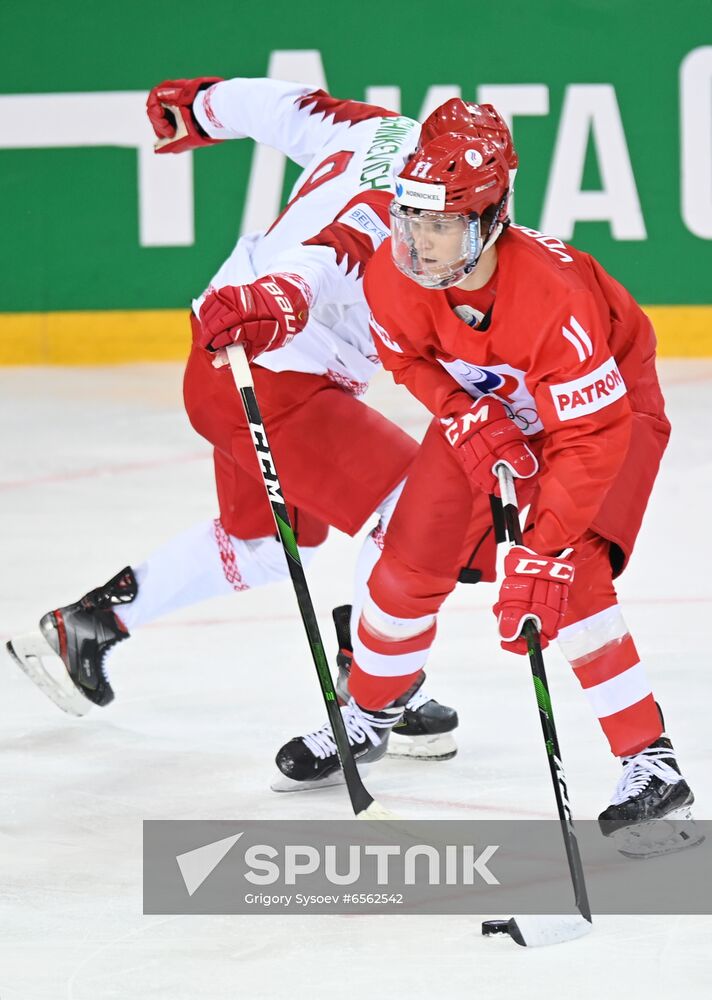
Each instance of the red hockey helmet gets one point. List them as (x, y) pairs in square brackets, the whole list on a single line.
[(450, 205), (482, 121)]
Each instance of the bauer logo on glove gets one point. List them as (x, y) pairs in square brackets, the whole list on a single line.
[(262, 316)]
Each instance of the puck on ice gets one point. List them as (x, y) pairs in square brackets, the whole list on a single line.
[(495, 927)]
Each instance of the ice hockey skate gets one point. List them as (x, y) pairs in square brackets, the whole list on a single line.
[(650, 810), (425, 731), (65, 659), (311, 761)]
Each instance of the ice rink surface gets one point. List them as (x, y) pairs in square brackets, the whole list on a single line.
[(100, 466)]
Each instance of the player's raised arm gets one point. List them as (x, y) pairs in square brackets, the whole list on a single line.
[(297, 119)]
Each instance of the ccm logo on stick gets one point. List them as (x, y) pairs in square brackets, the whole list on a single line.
[(265, 459), (589, 393)]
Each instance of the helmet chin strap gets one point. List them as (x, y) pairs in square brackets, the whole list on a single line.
[(494, 235), (475, 238), (495, 231), (498, 225)]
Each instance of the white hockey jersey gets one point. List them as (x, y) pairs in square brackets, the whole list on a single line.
[(335, 219)]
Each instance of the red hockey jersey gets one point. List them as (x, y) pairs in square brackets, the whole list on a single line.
[(567, 350)]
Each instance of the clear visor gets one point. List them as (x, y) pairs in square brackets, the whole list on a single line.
[(436, 249)]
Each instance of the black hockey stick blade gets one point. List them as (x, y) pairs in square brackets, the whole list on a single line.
[(539, 931)]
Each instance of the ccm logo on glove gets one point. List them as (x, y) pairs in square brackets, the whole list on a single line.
[(535, 588), (485, 436), (459, 426), (556, 570)]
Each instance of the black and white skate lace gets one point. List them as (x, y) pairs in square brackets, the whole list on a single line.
[(420, 698), (361, 726), (639, 769)]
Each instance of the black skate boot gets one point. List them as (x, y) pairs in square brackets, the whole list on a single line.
[(312, 761), (80, 635), (650, 811), (425, 731)]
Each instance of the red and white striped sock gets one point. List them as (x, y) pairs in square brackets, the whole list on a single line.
[(603, 656), (389, 655)]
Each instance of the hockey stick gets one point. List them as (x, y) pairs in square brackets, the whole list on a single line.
[(180, 128), (364, 805), (543, 930)]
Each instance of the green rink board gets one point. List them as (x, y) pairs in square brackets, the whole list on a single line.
[(70, 230)]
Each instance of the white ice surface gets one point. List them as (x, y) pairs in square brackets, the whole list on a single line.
[(99, 465)]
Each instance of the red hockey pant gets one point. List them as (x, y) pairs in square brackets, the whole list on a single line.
[(337, 458)]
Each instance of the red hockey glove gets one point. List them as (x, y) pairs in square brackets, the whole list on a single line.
[(485, 435), (262, 316), (176, 134), (535, 587)]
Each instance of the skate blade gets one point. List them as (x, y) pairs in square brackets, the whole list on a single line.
[(673, 833), (284, 784), (36, 658), (438, 746)]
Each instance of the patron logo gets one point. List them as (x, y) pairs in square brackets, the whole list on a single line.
[(589, 393)]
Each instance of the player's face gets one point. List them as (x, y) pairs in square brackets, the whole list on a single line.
[(437, 240), (432, 248)]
